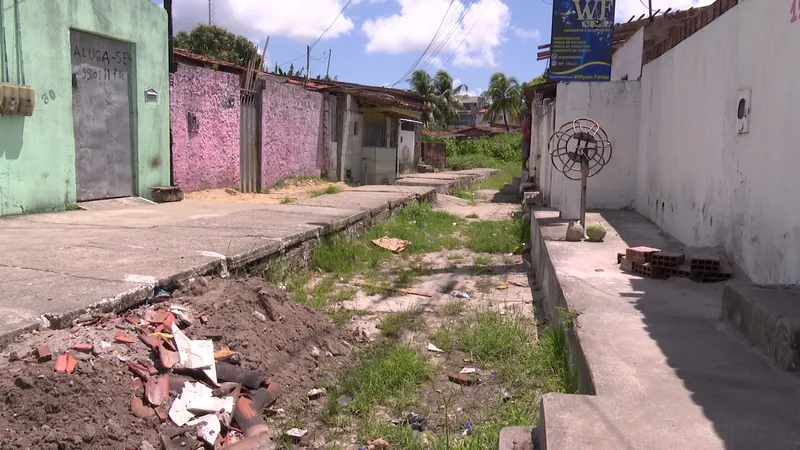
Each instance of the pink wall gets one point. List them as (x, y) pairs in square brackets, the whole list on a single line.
[(209, 157), (292, 133)]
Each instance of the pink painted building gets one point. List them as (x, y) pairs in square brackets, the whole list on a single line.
[(292, 137), (204, 120)]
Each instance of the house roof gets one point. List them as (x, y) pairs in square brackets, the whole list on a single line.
[(465, 131), (374, 94)]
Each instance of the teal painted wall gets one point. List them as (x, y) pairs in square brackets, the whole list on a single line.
[(37, 153)]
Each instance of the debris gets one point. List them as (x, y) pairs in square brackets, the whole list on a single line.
[(410, 292), (139, 369), (263, 297), (316, 393), (255, 442), (378, 444), (43, 353), (133, 319), (196, 354), (156, 317), (248, 417), (223, 354), (161, 294), (315, 352), (596, 232), (209, 428), (467, 429), (167, 357), (179, 412), (394, 245), (157, 391), (260, 316), (296, 433), (460, 294), (146, 446), (82, 347), (502, 287), (65, 363), (247, 378), (71, 363), (468, 371), (518, 284), (139, 409), (124, 338), (416, 421), (435, 349), (23, 382), (181, 315), (464, 380), (210, 405)]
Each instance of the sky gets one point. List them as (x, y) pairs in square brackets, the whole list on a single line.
[(377, 42)]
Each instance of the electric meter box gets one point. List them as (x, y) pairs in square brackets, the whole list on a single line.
[(9, 98), (26, 101)]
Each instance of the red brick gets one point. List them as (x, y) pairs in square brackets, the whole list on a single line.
[(71, 364), (640, 255), (43, 353), (82, 347), (464, 380), (123, 337), (626, 265), (61, 363)]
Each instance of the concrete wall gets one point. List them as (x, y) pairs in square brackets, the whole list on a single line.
[(700, 179), (209, 157), (292, 132), (616, 107), (37, 153), (627, 61), (542, 125)]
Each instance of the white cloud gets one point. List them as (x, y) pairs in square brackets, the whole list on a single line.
[(479, 31), (522, 33), (303, 20), (627, 8)]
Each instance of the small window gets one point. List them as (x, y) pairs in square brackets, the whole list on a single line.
[(355, 128), (407, 126)]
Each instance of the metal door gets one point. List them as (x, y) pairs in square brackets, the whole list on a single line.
[(250, 142), (405, 147), (101, 110)]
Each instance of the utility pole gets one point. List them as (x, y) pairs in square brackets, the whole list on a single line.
[(171, 45), (328, 72), (211, 12), (650, 7), (308, 61)]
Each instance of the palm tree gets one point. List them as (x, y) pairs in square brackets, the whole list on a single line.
[(449, 101), (422, 84), (506, 96)]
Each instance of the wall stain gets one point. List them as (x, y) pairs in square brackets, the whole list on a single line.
[(156, 162)]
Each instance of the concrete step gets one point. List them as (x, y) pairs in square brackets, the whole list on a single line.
[(769, 318), (516, 438)]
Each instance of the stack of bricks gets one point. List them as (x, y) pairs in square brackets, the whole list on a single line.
[(653, 263), (708, 269)]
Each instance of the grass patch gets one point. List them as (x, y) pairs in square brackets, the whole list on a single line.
[(428, 230), (405, 278), (293, 180), (327, 191), (482, 260), (484, 285), (383, 375), (505, 174), (346, 255), (473, 216), (286, 200), (454, 307), (395, 324), (341, 316), (462, 193), (493, 237)]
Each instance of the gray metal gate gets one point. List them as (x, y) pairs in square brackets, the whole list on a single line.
[(250, 141), (101, 110)]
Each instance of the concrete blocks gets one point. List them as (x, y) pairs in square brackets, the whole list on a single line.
[(769, 318), (516, 438)]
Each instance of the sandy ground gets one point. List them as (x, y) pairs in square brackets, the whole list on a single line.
[(294, 189)]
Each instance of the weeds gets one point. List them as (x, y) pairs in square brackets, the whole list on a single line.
[(454, 307), (496, 180), (482, 260), (286, 200), (493, 237), (340, 316), (428, 230), (327, 191), (395, 324), (473, 216)]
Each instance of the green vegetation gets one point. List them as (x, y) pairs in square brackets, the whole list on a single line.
[(442, 97), (286, 200), (473, 216), (327, 191), (382, 375), (496, 180), (395, 324), (493, 237), (218, 43), (505, 94), (490, 151), (454, 307)]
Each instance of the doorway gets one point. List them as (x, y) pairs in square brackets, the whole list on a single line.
[(101, 112)]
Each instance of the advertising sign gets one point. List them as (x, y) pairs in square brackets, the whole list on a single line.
[(580, 45)]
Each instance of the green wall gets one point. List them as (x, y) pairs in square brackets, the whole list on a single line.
[(37, 153)]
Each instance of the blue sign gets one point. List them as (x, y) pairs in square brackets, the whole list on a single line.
[(580, 44)]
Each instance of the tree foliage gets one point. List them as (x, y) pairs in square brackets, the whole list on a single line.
[(505, 94), (289, 73), (218, 43), (442, 98)]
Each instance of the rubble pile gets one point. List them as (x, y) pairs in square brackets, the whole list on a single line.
[(198, 368), (651, 262)]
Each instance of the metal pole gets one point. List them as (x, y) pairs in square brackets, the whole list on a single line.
[(308, 61), (650, 8), (328, 72), (584, 179)]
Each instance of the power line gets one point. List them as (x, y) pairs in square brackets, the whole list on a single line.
[(462, 40), (426, 48), (321, 35), (457, 25)]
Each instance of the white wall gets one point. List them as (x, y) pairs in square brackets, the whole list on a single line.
[(542, 129), (627, 61), (701, 180), (615, 106)]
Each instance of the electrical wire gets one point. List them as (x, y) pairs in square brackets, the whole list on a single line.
[(321, 35), (462, 41), (426, 48), (458, 23), (20, 67), (6, 77)]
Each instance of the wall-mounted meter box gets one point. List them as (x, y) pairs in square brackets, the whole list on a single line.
[(27, 100), (9, 98)]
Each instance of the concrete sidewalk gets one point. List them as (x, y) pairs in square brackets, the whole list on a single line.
[(666, 371), (55, 266)]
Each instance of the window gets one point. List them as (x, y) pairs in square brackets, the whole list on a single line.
[(374, 130), (355, 128), (407, 126)]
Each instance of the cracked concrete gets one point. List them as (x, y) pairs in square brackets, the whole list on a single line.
[(59, 264)]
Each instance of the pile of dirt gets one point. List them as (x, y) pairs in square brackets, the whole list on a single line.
[(90, 408)]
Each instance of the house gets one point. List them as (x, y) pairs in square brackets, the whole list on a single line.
[(225, 136), (472, 111), (97, 124)]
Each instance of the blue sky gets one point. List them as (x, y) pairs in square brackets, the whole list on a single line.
[(377, 41)]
